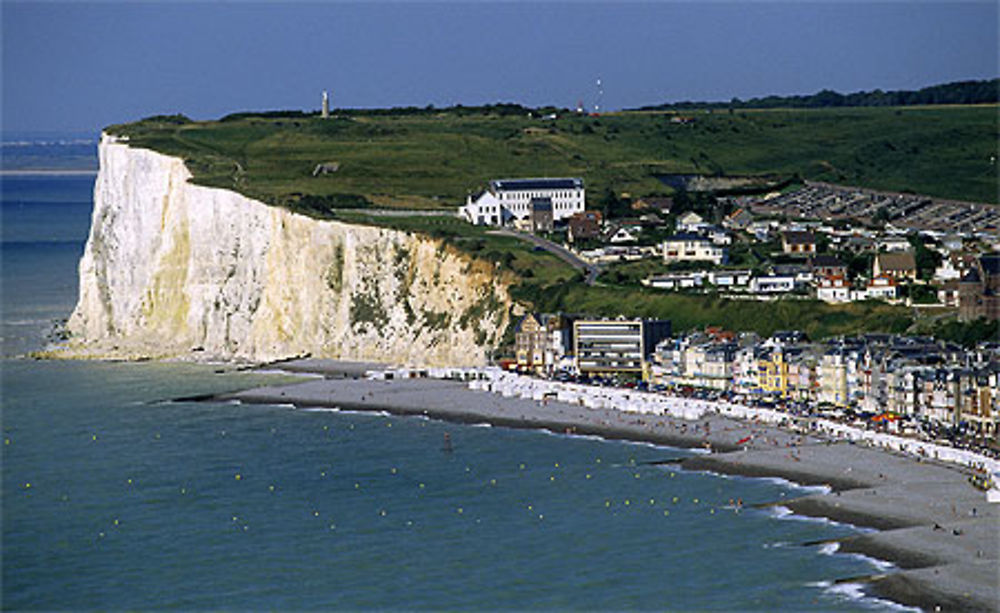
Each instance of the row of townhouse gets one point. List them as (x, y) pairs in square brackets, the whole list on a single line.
[(876, 374)]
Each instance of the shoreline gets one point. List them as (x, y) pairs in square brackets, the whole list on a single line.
[(937, 529)]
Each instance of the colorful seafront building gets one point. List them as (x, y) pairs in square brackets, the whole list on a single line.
[(936, 381)]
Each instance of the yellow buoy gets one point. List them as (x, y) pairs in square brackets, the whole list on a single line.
[(675, 499), (557, 464), (315, 513), (588, 475), (636, 475), (552, 478), (696, 501), (460, 510), (651, 501), (115, 522), (666, 512), (94, 437), (27, 486), (493, 481), (239, 477), (421, 486), (607, 503), (270, 487), (393, 471), (627, 502)]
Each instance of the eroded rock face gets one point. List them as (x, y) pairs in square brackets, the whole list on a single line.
[(173, 269)]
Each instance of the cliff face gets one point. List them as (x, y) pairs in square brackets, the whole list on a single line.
[(173, 269)]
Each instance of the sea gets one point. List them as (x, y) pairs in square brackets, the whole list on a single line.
[(119, 495)]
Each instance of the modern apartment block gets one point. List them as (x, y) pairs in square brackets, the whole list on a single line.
[(616, 345)]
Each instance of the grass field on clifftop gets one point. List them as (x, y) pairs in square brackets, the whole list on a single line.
[(432, 160)]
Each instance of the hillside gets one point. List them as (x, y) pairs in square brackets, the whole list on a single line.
[(431, 159)]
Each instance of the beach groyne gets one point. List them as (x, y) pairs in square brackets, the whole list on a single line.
[(173, 269)]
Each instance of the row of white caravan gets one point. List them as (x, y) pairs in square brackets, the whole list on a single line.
[(513, 385)]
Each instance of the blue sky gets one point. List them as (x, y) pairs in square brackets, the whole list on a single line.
[(80, 66)]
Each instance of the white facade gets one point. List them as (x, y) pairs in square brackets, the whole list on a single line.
[(485, 210), (833, 290), (881, 288), (509, 199), (691, 222), (772, 284), (729, 278), (691, 248)]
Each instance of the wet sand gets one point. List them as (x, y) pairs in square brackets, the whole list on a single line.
[(934, 525)]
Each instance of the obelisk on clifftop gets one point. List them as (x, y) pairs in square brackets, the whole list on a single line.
[(326, 105)]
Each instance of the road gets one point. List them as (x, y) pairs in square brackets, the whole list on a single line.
[(589, 270)]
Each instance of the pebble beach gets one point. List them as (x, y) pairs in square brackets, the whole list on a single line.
[(931, 523)]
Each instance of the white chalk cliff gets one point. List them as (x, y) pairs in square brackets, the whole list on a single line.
[(173, 269)]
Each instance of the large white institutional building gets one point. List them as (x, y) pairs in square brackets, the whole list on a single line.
[(510, 199)]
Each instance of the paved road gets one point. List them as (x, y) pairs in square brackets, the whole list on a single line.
[(589, 270)]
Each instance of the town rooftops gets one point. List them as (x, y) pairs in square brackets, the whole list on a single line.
[(796, 237), (896, 261), (661, 203), (520, 185), (825, 261), (686, 236), (990, 264)]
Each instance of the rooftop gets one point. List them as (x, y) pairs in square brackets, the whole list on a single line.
[(516, 185), (897, 261)]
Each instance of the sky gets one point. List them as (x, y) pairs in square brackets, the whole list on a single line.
[(80, 66)]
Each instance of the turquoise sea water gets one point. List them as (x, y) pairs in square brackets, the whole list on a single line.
[(115, 497)]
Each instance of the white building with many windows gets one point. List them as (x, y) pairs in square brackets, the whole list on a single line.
[(616, 345), (688, 247), (509, 199)]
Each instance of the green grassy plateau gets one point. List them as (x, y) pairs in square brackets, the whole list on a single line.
[(431, 160)]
